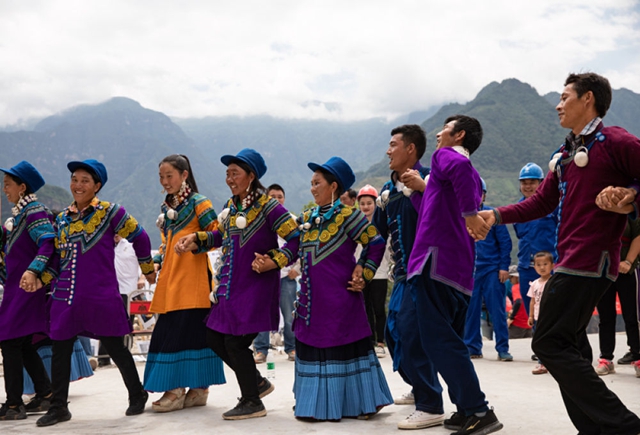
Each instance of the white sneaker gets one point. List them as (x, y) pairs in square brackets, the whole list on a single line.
[(405, 399), (420, 420)]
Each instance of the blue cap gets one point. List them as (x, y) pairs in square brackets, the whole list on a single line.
[(531, 171), (484, 185), (28, 174), (339, 168), (92, 166), (250, 157)]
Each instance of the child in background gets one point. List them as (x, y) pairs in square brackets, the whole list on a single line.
[(543, 263), (517, 319)]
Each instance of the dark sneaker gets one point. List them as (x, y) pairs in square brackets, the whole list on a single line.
[(265, 388), (505, 356), (12, 412), (455, 422), (245, 409), (38, 404), (628, 358), (137, 404), (475, 425), (53, 416)]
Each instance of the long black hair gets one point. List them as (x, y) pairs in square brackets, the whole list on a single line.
[(181, 163)]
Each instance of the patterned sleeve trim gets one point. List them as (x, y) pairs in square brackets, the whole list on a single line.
[(129, 229), (46, 277), (279, 257), (205, 241), (38, 264), (146, 266), (286, 226)]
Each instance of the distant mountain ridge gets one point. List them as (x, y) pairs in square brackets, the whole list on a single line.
[(519, 126)]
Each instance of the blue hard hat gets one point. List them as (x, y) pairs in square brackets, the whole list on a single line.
[(531, 171), (484, 185)]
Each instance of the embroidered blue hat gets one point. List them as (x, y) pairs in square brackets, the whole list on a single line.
[(28, 174), (250, 157), (339, 168), (92, 166)]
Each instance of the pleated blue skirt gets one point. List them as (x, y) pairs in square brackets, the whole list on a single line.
[(80, 367), (341, 381), (178, 353)]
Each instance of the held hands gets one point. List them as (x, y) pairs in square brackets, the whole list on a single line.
[(186, 244), (412, 179), (151, 278), (357, 282), (30, 282), (624, 267), (293, 274), (616, 199), (479, 224), (262, 263)]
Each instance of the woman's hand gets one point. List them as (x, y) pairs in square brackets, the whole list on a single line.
[(29, 282), (357, 282), (151, 277), (624, 267), (186, 244), (262, 263)]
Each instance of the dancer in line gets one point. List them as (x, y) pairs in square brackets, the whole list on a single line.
[(85, 298), (179, 357), (27, 240), (245, 302)]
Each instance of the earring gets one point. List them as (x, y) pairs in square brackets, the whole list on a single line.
[(163, 191), (332, 199), (248, 187), (21, 195)]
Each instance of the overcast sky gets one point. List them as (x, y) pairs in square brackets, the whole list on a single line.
[(367, 58)]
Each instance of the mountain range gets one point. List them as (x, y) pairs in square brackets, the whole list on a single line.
[(519, 125)]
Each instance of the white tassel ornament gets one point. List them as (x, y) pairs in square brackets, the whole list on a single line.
[(581, 158), (8, 224), (223, 215), (160, 221), (554, 161), (172, 214), (241, 222)]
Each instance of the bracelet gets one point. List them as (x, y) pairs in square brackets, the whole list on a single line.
[(628, 262)]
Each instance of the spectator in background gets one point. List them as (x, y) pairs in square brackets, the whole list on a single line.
[(626, 287), (375, 292), (533, 236), (493, 255), (517, 319), (288, 286), (128, 273), (348, 198)]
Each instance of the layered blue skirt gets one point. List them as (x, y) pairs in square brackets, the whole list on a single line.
[(178, 353), (80, 367), (341, 381)]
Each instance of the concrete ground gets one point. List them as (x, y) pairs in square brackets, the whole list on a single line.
[(525, 403)]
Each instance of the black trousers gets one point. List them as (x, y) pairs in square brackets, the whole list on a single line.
[(626, 286), (566, 307), (61, 368), (235, 351), (17, 353), (375, 296)]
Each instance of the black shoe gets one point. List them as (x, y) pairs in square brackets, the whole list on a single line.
[(38, 404), (534, 357), (245, 409), (455, 422), (54, 415), (266, 388), (628, 358), (137, 404), (12, 412), (475, 425)]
